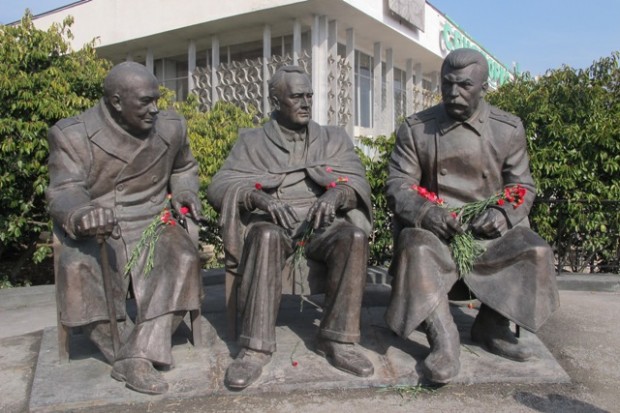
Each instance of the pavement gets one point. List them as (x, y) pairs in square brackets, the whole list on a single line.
[(576, 368)]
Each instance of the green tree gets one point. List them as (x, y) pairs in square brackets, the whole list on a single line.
[(41, 81), (572, 120)]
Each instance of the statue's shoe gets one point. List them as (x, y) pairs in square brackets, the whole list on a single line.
[(443, 364), (345, 357), (139, 375), (498, 339), (245, 369)]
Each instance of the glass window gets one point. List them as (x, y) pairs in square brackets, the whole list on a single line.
[(400, 95), (363, 89), (172, 73), (282, 45)]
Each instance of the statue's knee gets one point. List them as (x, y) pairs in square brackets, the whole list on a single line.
[(264, 233), (356, 236)]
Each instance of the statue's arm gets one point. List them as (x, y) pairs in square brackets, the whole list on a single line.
[(516, 171), (67, 194), (404, 171)]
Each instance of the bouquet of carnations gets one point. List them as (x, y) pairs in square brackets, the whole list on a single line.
[(464, 248)]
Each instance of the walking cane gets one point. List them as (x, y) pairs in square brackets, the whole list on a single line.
[(109, 294)]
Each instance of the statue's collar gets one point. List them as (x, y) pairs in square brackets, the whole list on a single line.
[(476, 122)]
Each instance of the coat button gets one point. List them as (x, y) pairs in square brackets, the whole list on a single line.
[(120, 187), (485, 174), (154, 179), (443, 171)]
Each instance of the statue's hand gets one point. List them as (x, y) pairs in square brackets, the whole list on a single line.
[(189, 200), (440, 222), (96, 221), (323, 211), (281, 212), (490, 224)]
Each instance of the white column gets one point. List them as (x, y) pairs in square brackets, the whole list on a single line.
[(150, 61), (419, 88), (409, 107), (319, 71), (191, 65), (266, 74), (377, 107), (351, 59), (215, 64), (388, 113), (296, 41)]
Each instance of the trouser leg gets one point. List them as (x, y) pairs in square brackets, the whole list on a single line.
[(151, 340), (344, 250), (264, 255)]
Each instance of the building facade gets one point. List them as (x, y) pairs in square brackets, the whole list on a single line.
[(371, 61)]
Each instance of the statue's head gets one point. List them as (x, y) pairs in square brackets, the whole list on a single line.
[(130, 92), (464, 82), (290, 92)]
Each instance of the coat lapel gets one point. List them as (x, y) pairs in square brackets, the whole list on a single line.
[(112, 139)]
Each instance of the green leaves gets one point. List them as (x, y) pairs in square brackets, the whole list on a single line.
[(572, 119), (41, 82)]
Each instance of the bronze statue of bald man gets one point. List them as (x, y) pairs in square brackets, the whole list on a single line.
[(111, 170)]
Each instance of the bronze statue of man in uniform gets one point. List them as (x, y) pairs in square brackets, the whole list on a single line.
[(465, 150), (281, 181), (112, 169)]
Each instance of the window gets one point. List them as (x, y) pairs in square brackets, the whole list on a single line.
[(172, 73), (400, 95), (363, 89)]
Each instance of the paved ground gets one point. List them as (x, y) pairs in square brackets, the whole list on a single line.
[(582, 336)]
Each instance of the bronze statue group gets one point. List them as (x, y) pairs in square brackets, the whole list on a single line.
[(117, 166)]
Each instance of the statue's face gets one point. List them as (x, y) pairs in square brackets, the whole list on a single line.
[(137, 105), (294, 101), (462, 90)]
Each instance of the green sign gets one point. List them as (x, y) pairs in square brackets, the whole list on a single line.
[(454, 38)]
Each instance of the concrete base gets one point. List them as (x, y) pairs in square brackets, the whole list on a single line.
[(85, 381)]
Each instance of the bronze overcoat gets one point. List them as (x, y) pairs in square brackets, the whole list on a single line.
[(465, 162), (94, 162)]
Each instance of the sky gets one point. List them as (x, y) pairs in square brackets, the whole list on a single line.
[(535, 34)]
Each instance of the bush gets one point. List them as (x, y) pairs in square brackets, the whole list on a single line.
[(41, 82), (375, 156), (572, 121)]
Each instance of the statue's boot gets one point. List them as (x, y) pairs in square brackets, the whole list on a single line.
[(246, 368), (345, 357), (492, 331), (139, 375), (442, 364)]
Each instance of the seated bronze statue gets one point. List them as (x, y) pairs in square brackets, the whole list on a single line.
[(465, 150), (282, 181), (111, 170)]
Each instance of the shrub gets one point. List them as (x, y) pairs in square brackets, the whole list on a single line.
[(375, 154), (572, 121), (41, 82)]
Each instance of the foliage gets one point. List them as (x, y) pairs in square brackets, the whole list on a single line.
[(41, 82), (211, 135), (572, 121), (375, 154)]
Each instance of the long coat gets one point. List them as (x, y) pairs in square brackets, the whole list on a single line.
[(465, 162), (94, 162)]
